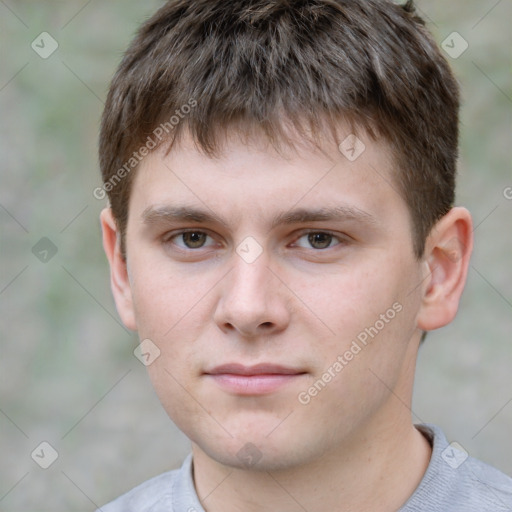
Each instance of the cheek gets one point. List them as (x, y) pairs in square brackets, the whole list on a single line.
[(172, 310), (373, 318), (165, 300), (366, 304), (171, 380)]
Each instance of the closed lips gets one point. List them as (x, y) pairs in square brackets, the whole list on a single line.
[(262, 379), (260, 369)]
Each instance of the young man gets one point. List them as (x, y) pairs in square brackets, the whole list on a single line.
[(281, 234)]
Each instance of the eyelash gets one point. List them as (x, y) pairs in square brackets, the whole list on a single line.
[(340, 239)]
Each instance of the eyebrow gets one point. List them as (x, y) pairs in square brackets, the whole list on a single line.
[(168, 214), (173, 214), (338, 213)]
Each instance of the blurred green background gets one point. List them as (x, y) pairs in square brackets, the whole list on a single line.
[(67, 371)]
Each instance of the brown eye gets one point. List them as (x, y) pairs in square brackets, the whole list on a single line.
[(194, 239), (320, 240), (189, 242)]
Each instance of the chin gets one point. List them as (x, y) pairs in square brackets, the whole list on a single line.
[(250, 457), (255, 450)]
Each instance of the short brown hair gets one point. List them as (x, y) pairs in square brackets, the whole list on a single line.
[(267, 63)]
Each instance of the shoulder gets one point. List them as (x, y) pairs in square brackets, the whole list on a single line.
[(151, 495), (486, 485), (145, 496), (457, 482), (168, 492)]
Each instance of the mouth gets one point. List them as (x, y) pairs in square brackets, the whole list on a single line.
[(260, 379)]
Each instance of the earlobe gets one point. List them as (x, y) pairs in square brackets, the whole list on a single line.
[(119, 278), (446, 262)]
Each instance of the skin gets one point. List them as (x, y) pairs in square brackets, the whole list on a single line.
[(353, 446)]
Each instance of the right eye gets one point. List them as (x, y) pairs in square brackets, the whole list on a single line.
[(189, 240)]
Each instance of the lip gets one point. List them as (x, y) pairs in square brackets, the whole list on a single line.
[(260, 379)]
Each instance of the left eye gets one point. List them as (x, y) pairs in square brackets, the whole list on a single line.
[(318, 240), (190, 239)]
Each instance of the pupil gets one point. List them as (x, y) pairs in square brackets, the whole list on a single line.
[(320, 240), (193, 240)]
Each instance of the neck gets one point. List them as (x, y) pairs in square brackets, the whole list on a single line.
[(372, 471)]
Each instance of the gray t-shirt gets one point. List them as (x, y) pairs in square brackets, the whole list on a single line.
[(453, 482)]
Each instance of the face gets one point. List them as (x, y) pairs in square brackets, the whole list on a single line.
[(281, 292)]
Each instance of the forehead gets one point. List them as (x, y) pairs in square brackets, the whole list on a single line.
[(253, 178)]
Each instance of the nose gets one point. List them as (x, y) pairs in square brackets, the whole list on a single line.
[(253, 301)]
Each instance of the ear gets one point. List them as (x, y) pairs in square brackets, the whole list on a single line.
[(119, 278), (446, 260)]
